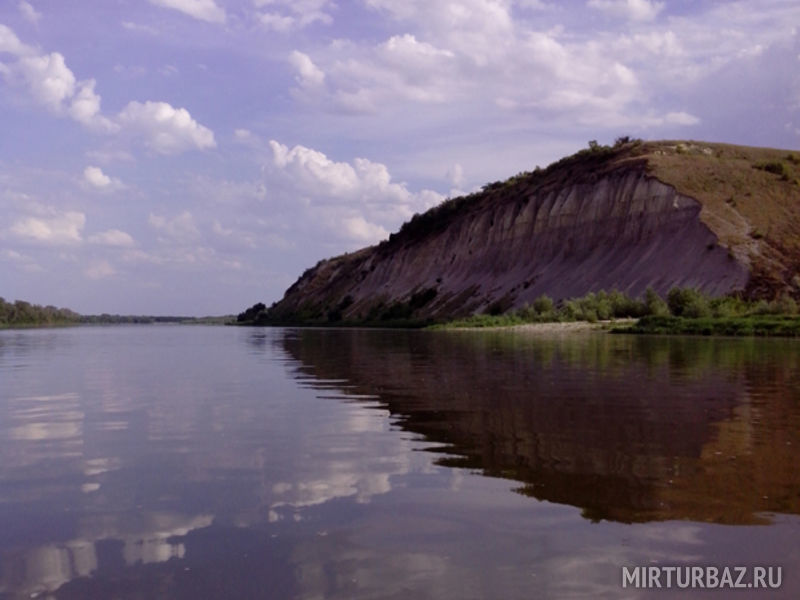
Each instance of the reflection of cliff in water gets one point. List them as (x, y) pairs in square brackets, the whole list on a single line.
[(626, 428)]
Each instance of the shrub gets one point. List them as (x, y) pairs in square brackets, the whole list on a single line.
[(653, 304), (688, 302), (785, 305), (252, 313), (775, 166), (527, 312), (543, 304), (624, 306), (727, 307)]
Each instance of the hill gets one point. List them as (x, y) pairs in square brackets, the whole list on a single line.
[(720, 218)]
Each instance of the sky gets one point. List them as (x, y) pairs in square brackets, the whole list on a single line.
[(193, 157)]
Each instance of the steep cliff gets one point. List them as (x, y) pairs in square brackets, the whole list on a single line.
[(660, 214)]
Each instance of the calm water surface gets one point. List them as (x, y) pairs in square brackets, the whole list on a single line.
[(213, 462)]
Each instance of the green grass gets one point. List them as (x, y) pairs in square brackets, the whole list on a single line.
[(686, 311), (484, 320), (752, 325)]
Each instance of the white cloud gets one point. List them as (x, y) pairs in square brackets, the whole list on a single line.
[(680, 118), (99, 269), (308, 74), (180, 228), (131, 26), (53, 229), (358, 229), (243, 134), (532, 4), (112, 237), (49, 79), (277, 22), (479, 30), (204, 10), (474, 56), (28, 12), (355, 202), (53, 85), (634, 10), (86, 103), (287, 15), (95, 177), (85, 108), (165, 129), (10, 43)]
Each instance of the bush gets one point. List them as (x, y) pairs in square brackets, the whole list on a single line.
[(527, 312), (653, 304), (252, 313), (688, 302), (543, 304), (785, 305), (775, 166), (727, 307)]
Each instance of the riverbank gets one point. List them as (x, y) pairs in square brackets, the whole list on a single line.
[(554, 327), (752, 325)]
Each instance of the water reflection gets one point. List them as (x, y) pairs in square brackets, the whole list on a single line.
[(626, 428), (144, 462)]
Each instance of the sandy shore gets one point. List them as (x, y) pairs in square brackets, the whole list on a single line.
[(568, 327)]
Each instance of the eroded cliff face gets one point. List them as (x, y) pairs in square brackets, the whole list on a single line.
[(624, 229)]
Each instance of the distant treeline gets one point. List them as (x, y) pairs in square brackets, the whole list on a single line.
[(106, 318), (23, 314), (123, 319)]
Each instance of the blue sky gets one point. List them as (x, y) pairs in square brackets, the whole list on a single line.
[(195, 156)]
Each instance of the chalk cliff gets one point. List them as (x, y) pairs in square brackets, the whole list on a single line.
[(604, 218)]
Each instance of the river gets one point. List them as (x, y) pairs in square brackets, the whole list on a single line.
[(167, 461)]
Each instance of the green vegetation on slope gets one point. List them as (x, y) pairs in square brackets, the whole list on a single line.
[(755, 325), (685, 310)]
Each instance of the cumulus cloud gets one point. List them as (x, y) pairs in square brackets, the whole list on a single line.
[(204, 10), (634, 10), (10, 43), (28, 12), (85, 108), (354, 201), (49, 79), (308, 74), (53, 85), (165, 129), (112, 237), (57, 228), (357, 228), (95, 177), (479, 30), (480, 56)]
